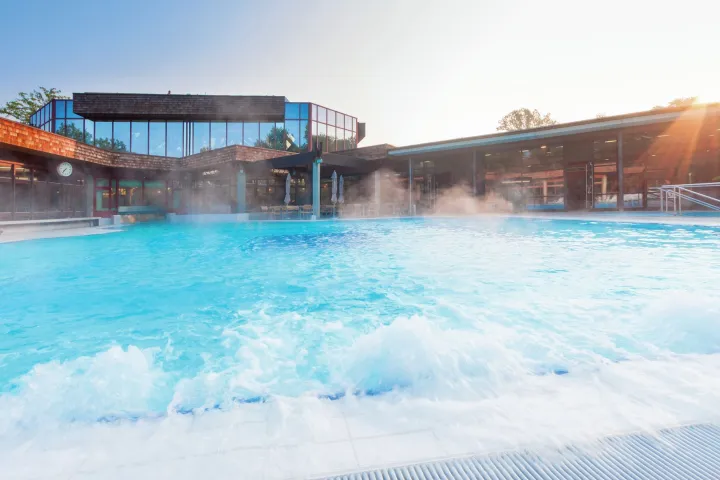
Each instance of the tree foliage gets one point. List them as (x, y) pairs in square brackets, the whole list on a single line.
[(677, 103), (26, 104), (524, 118)]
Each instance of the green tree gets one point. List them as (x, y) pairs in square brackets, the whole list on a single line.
[(106, 144), (26, 104), (522, 119), (677, 103), (274, 139), (71, 131)]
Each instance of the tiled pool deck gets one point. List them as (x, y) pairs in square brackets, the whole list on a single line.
[(243, 445)]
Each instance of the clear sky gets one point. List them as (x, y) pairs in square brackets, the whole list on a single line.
[(415, 71)]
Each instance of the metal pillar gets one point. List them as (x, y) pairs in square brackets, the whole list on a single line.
[(474, 173), (89, 194), (240, 202), (378, 194), (410, 187), (316, 187), (620, 176), (12, 189)]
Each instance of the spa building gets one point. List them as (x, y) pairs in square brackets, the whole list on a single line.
[(109, 154)]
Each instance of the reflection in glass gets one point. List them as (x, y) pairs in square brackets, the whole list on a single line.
[(59, 108), (331, 118), (292, 110), (331, 138), (218, 135), (322, 136), (74, 129), (322, 115), (292, 132), (340, 120), (348, 122), (234, 133), (103, 135), (201, 137), (342, 135), (251, 131), (60, 127), (121, 136), (70, 113), (157, 138), (269, 136), (304, 134), (130, 193), (303, 111), (89, 131), (174, 139), (315, 112), (350, 140), (139, 137), (155, 193)]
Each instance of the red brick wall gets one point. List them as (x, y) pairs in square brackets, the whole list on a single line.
[(26, 138)]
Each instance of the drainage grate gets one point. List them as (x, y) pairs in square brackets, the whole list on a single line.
[(682, 453)]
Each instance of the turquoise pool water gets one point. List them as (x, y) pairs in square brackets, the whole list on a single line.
[(163, 319)]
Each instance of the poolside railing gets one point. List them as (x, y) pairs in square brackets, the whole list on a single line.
[(672, 196)]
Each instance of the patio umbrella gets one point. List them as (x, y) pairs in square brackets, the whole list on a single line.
[(287, 190), (333, 199), (341, 190)]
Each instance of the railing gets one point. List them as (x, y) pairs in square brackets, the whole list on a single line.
[(672, 197)]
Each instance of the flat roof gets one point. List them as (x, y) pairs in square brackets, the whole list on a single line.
[(648, 117)]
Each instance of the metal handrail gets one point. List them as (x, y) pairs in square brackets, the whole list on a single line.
[(678, 193)]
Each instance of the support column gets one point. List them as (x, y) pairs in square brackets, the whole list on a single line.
[(316, 187), (12, 190), (545, 190), (89, 195), (240, 199), (620, 173), (410, 187), (377, 193), (474, 184)]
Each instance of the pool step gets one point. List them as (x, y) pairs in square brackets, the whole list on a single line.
[(681, 453)]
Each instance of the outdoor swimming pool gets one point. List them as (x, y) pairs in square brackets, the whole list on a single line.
[(488, 333)]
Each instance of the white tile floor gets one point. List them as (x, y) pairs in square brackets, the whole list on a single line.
[(234, 445)]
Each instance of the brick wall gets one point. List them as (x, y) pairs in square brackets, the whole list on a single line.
[(39, 142)]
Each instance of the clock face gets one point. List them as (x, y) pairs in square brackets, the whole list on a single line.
[(65, 169)]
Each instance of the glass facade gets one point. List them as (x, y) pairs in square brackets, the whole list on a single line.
[(335, 130), (304, 125), (30, 193)]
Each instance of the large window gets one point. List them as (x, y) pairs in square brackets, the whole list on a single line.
[(121, 136), (201, 137), (175, 139), (139, 137), (103, 135), (218, 135), (155, 193), (130, 193), (251, 134), (235, 133), (335, 130), (157, 138), (292, 129)]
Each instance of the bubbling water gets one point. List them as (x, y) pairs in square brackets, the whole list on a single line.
[(491, 333)]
